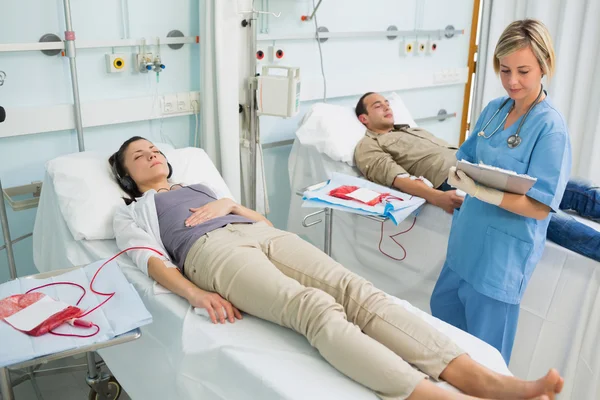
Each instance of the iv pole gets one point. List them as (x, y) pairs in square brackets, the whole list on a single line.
[(253, 115), (70, 53), (12, 268), (253, 121)]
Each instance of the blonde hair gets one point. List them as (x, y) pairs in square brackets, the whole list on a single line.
[(527, 33)]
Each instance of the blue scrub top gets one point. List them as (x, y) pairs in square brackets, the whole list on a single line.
[(493, 249)]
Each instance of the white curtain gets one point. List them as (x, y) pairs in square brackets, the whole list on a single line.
[(219, 59), (575, 88)]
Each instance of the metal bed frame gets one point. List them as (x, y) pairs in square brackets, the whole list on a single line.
[(102, 385), (328, 233)]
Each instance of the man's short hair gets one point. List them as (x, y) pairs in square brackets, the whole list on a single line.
[(360, 106)]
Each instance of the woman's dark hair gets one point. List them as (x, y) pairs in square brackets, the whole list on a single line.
[(117, 164)]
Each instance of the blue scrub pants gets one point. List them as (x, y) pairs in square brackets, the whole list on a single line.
[(456, 302)]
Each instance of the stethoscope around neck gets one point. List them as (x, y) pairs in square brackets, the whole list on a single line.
[(514, 140)]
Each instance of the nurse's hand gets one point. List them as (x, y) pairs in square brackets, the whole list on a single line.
[(214, 209), (462, 181)]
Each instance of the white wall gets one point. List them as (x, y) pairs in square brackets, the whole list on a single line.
[(34, 79), (353, 66), (575, 29)]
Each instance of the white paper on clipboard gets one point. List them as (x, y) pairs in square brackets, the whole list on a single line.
[(507, 181)]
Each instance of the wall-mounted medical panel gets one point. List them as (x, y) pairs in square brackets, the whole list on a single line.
[(364, 48), (38, 119)]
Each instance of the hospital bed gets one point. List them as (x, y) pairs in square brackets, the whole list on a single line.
[(559, 323), (182, 355)]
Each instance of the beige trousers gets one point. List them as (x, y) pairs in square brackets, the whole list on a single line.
[(277, 276)]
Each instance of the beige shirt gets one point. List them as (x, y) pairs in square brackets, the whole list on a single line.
[(382, 157)]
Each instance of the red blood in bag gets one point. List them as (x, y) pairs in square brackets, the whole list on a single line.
[(343, 191), (28, 299), (9, 306), (16, 303), (55, 321)]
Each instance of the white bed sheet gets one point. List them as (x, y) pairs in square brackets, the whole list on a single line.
[(183, 356), (559, 324)]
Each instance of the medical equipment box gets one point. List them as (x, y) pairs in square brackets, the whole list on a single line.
[(278, 91)]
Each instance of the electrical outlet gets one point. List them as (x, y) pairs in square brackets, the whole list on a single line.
[(169, 104), (406, 48), (432, 46), (446, 76), (115, 63), (261, 55), (183, 102), (276, 54), (195, 102)]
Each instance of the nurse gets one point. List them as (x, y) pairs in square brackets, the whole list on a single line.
[(497, 238)]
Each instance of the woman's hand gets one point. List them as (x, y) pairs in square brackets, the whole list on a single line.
[(217, 307), (214, 209), (462, 181)]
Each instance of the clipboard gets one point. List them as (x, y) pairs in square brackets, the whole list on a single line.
[(504, 180)]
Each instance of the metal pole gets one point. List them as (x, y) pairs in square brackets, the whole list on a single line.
[(70, 52), (5, 385), (92, 366), (314, 11), (328, 231), (12, 268), (253, 115)]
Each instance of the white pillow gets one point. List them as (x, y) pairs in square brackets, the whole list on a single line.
[(335, 131), (192, 165), (88, 194)]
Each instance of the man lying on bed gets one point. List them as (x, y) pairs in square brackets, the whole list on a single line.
[(230, 258), (390, 154)]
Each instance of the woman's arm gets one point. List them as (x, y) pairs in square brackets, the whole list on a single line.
[(524, 206), (220, 208), (515, 203), (172, 279), (248, 213)]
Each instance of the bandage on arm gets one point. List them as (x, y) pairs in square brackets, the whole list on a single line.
[(415, 187)]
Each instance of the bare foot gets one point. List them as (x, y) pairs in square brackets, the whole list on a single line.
[(548, 386)]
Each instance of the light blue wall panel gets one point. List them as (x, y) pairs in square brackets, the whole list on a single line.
[(34, 79), (360, 62)]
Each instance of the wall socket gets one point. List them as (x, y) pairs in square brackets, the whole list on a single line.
[(178, 103), (406, 48), (115, 63), (447, 76)]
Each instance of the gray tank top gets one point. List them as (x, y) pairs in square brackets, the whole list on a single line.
[(173, 208)]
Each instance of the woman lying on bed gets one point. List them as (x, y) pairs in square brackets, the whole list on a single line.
[(229, 258)]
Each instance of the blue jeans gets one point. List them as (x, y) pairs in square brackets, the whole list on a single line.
[(582, 197)]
